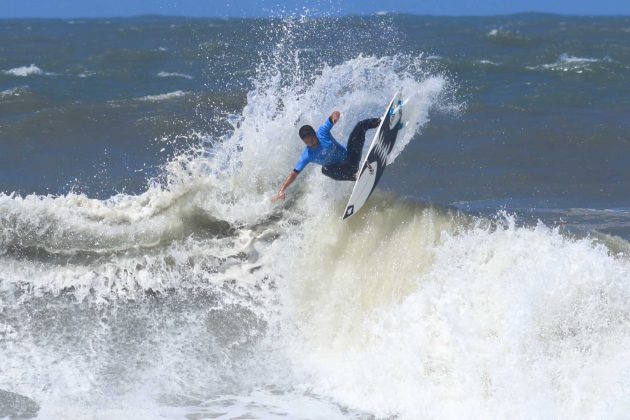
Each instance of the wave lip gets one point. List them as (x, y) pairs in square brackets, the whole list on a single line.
[(174, 74), (26, 71)]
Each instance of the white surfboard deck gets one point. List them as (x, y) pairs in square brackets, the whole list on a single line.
[(375, 161)]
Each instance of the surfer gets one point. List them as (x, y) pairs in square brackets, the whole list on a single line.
[(338, 162)]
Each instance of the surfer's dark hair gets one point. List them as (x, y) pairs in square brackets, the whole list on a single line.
[(305, 131)]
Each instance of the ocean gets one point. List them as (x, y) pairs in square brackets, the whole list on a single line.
[(145, 272)]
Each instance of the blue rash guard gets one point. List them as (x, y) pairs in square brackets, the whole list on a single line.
[(328, 152)]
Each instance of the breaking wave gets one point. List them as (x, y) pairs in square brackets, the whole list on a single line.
[(26, 71)]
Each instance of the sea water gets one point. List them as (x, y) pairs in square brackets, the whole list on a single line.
[(145, 273)]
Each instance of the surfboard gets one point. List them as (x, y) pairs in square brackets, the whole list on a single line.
[(373, 166)]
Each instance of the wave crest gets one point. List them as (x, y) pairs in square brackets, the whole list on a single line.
[(26, 71)]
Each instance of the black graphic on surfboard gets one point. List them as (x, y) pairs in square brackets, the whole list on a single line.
[(376, 159)]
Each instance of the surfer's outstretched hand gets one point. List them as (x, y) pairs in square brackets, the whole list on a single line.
[(334, 117), (278, 196), (288, 181)]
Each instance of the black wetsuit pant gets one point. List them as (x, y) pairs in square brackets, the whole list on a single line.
[(346, 170)]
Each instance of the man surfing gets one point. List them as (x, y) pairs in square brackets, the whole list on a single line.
[(338, 162)]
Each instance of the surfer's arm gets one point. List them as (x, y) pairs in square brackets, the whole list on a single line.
[(324, 130), (288, 181), (299, 166)]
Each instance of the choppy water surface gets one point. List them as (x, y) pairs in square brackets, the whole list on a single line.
[(145, 273)]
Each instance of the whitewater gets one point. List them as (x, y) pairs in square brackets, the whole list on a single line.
[(199, 298)]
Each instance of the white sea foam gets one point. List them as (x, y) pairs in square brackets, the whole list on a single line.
[(566, 58), (503, 35), (163, 96), (411, 312), (567, 62), (499, 33), (173, 74), (25, 71), (13, 92)]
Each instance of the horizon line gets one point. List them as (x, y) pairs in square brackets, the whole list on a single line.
[(314, 16)]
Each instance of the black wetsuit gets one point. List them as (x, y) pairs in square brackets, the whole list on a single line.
[(347, 169)]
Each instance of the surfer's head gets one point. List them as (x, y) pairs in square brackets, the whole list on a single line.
[(308, 136)]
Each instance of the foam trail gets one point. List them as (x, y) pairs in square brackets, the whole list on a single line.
[(163, 96), (174, 74)]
